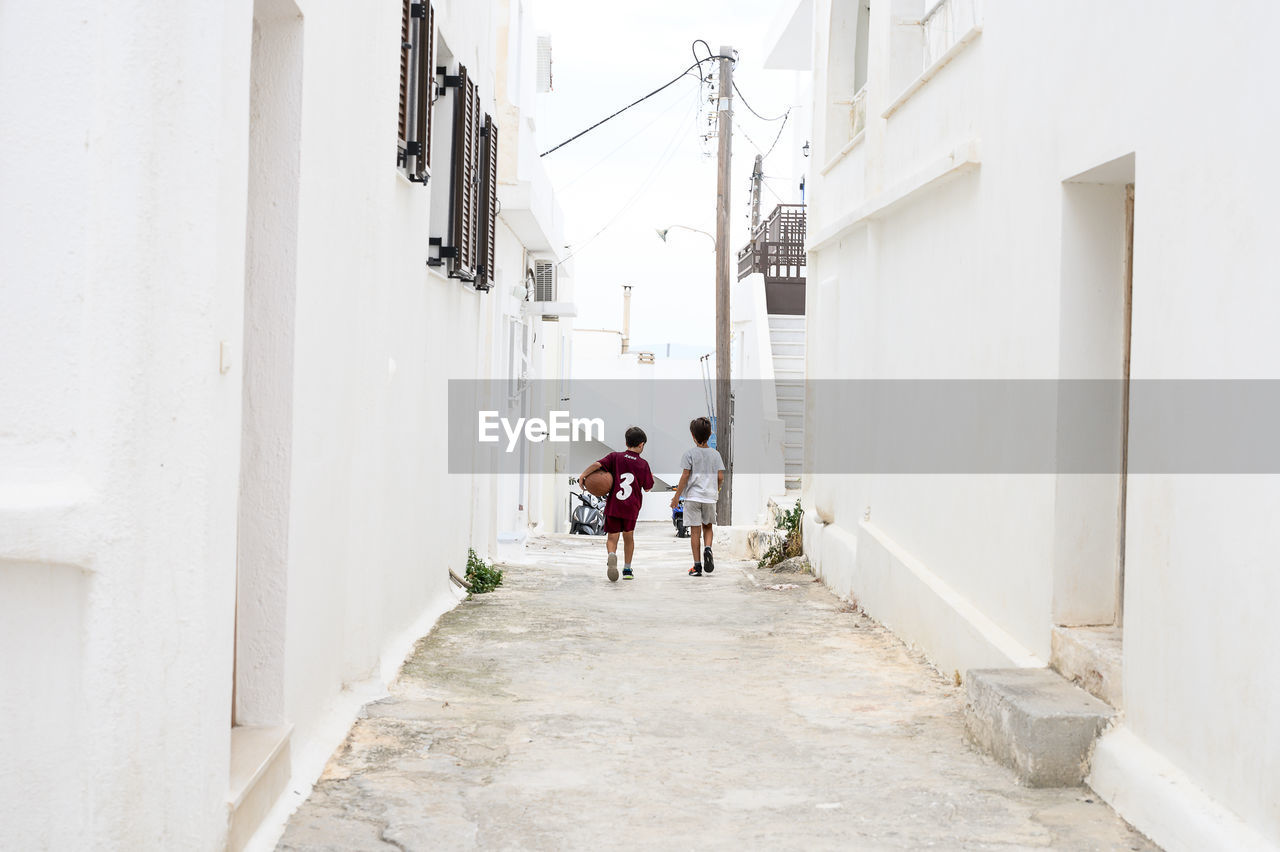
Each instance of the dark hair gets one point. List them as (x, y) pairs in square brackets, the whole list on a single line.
[(636, 436), (700, 428)]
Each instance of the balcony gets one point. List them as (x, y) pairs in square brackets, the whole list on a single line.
[(776, 251)]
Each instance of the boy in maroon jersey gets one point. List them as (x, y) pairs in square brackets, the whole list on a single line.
[(631, 478)]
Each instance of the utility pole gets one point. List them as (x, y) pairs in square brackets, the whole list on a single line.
[(757, 175), (724, 404)]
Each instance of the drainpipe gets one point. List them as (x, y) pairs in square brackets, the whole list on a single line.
[(626, 318)]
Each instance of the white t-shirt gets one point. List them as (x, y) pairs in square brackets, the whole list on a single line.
[(703, 464)]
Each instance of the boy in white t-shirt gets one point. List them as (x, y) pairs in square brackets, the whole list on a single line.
[(700, 481)]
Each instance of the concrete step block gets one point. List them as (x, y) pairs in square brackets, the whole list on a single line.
[(1035, 722), (1093, 659)]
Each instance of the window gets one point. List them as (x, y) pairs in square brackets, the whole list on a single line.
[(417, 90), (488, 204), (464, 187), (860, 46), (468, 249), (847, 72)]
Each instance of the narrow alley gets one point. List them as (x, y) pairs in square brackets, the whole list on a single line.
[(566, 712)]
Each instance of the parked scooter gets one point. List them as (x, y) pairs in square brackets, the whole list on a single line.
[(588, 517), (677, 518)]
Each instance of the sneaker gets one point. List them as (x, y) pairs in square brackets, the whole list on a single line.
[(613, 568), (627, 575), (708, 564), (695, 571)]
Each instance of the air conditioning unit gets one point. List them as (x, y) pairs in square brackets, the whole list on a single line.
[(542, 302), (544, 281)]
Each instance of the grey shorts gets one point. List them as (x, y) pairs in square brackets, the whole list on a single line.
[(699, 514)]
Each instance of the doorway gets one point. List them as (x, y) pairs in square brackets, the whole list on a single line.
[(275, 111), (260, 761), (1091, 491)]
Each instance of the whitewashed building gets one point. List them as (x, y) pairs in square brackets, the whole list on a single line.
[(234, 294), (1045, 191)]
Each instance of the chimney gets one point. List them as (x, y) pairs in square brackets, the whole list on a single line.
[(626, 318)]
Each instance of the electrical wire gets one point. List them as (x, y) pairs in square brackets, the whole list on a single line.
[(764, 155), (781, 127), (663, 160), (674, 103), (753, 112), (640, 100), (693, 48)]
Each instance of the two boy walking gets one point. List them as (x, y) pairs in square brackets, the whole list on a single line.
[(702, 474)]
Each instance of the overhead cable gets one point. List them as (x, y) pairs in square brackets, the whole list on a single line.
[(753, 112), (640, 100)]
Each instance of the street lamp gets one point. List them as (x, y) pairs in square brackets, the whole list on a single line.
[(662, 232)]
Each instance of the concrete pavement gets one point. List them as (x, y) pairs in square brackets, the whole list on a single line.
[(568, 712)]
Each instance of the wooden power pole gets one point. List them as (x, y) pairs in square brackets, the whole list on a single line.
[(724, 404), (757, 176)]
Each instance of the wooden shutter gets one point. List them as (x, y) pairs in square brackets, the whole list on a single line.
[(464, 215), (426, 89), (406, 66), (417, 87), (488, 202)]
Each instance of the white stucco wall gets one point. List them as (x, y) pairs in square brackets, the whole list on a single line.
[(123, 227), (130, 152), (966, 278), (757, 433)]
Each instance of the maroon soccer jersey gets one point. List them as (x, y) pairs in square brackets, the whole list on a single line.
[(631, 477)]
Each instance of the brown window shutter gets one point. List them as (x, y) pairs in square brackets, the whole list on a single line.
[(464, 213), (406, 64), (426, 89), (488, 202), (474, 178)]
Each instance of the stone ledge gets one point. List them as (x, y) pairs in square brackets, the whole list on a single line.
[(1034, 722), (260, 766)]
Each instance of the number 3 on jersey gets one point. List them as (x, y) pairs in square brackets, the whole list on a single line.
[(625, 482)]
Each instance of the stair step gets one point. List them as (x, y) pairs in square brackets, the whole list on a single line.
[(1093, 658), (1035, 722)]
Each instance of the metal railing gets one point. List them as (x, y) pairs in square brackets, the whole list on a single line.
[(777, 246), (944, 24), (858, 112)]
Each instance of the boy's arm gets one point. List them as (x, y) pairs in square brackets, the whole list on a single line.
[(720, 480), (684, 480), (591, 468)]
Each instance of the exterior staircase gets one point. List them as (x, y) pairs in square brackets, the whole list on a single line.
[(786, 340)]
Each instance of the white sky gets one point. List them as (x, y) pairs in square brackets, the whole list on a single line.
[(646, 169)]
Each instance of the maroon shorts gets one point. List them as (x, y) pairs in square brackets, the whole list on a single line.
[(618, 525)]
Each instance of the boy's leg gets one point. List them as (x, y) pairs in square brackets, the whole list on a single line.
[(629, 549), (708, 564), (695, 541), (612, 561)]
